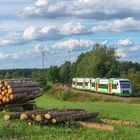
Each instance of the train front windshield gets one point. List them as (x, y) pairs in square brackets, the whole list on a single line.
[(125, 84)]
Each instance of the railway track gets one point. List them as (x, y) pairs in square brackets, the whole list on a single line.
[(104, 96)]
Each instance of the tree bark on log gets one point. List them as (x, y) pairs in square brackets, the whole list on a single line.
[(59, 114), (20, 90), (11, 117), (81, 116), (18, 85), (32, 114)]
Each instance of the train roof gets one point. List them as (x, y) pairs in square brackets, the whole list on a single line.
[(83, 78), (118, 79)]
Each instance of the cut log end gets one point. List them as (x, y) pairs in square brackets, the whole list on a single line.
[(47, 116), (7, 117), (54, 121), (29, 123), (23, 116), (11, 97), (38, 118), (10, 90)]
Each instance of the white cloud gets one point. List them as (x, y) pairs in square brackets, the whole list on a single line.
[(75, 45), (29, 33), (124, 25), (127, 48), (124, 42), (12, 39), (93, 9), (41, 2), (74, 28), (49, 32), (49, 9), (16, 55)]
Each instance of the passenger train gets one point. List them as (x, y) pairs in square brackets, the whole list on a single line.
[(114, 86)]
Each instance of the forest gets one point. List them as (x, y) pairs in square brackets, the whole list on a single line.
[(101, 62)]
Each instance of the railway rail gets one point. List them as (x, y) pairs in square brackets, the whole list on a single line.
[(102, 95)]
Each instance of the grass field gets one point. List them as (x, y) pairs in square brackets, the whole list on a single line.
[(17, 130)]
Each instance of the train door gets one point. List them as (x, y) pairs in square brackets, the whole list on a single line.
[(96, 87), (75, 83), (110, 88)]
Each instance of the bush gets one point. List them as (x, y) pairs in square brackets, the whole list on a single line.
[(64, 95), (46, 87)]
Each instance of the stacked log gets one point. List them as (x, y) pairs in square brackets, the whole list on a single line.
[(53, 116), (18, 91)]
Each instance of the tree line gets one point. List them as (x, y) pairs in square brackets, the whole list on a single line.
[(101, 62)]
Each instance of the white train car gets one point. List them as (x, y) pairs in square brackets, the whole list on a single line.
[(116, 86)]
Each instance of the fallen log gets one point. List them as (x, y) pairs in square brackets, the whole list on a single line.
[(58, 114), (17, 96), (32, 114), (14, 91), (83, 110), (40, 118), (18, 85), (120, 122), (29, 97), (11, 117), (21, 80), (94, 125), (22, 89), (16, 116), (19, 104), (79, 116)]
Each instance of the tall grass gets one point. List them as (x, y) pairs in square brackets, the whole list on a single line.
[(66, 94), (17, 130)]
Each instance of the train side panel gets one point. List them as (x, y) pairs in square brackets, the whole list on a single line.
[(101, 86), (120, 87)]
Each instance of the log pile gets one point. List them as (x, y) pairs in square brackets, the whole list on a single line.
[(14, 91), (53, 116), (73, 116)]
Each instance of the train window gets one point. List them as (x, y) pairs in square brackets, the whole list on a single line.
[(114, 86), (79, 84), (105, 86), (86, 84), (93, 84), (125, 84)]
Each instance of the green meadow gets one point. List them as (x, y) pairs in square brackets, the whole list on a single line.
[(18, 130)]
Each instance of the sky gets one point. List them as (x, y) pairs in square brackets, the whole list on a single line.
[(29, 27)]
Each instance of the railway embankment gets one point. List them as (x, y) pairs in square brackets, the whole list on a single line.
[(64, 92)]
